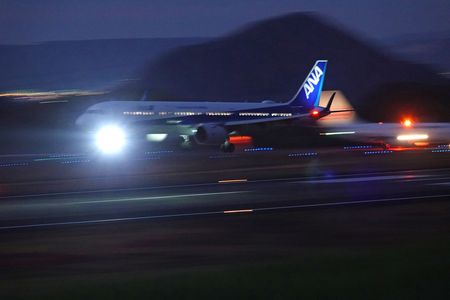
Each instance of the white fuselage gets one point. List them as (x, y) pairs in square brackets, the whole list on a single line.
[(128, 112)]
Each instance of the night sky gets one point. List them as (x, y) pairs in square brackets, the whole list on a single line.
[(25, 21)]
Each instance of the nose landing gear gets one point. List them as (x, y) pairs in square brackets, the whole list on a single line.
[(185, 142)]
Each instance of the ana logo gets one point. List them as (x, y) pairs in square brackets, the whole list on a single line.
[(312, 81)]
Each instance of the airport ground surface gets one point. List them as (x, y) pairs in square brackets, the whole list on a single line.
[(302, 223)]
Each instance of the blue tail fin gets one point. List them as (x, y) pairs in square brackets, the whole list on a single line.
[(309, 93)]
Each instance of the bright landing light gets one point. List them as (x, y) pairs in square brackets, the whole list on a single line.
[(110, 139)]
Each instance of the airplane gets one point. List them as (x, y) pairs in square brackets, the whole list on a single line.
[(202, 122)]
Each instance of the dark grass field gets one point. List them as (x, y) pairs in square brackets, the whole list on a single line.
[(396, 251)]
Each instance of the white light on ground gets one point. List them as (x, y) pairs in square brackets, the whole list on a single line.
[(110, 139), (412, 137)]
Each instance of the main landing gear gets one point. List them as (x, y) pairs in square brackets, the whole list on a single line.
[(227, 147)]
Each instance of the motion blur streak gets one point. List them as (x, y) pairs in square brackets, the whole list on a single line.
[(232, 180), (362, 179), (344, 203), (157, 197), (50, 95), (237, 211), (337, 133)]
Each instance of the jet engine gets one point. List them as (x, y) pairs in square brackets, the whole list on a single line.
[(211, 134)]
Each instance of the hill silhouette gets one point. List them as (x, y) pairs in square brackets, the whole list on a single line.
[(269, 60)]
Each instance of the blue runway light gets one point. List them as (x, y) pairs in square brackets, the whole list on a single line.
[(258, 149), (77, 161), (358, 147), (62, 155), (304, 154), (13, 165), (149, 158), (378, 152), (158, 152), (441, 151)]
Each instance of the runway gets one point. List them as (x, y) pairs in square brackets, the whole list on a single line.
[(169, 221), (249, 188)]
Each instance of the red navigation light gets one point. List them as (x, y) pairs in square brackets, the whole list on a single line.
[(315, 113), (407, 123)]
